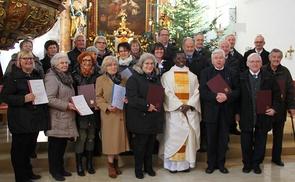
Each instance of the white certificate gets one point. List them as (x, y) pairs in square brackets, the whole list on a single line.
[(126, 73), (38, 89), (81, 105), (118, 96)]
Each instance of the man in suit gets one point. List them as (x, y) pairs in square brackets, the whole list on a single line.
[(236, 65), (204, 56), (218, 110), (259, 43), (195, 64), (233, 52), (170, 50), (202, 52), (284, 79), (79, 46), (254, 126)]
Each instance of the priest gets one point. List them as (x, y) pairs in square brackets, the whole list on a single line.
[(182, 107)]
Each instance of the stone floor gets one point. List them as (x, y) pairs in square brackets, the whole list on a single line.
[(271, 173)]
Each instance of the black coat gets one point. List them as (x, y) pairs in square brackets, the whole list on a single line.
[(263, 121), (46, 63), (235, 64), (92, 120), (139, 120), (211, 106), (200, 61), (73, 56), (264, 55), (100, 58), (287, 95), (23, 117), (170, 53)]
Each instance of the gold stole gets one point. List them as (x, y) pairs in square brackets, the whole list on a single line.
[(182, 92)]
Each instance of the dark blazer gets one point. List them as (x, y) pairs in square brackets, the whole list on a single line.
[(199, 62), (23, 117), (263, 122), (236, 54), (264, 55), (139, 120), (287, 96), (234, 63), (73, 55), (210, 105)]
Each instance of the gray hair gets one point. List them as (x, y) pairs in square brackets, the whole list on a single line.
[(55, 60), (79, 35), (107, 61), (187, 39), (253, 56), (92, 49), (98, 38), (275, 50), (145, 56), (217, 51)]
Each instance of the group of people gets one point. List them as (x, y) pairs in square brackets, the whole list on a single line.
[(191, 117)]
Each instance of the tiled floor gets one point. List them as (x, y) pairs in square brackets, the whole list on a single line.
[(271, 173)]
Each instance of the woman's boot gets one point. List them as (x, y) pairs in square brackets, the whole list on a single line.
[(79, 165), (89, 166), (112, 170), (116, 165)]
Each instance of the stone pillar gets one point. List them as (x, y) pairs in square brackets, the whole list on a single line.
[(65, 28)]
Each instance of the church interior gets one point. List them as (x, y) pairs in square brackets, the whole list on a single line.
[(123, 20)]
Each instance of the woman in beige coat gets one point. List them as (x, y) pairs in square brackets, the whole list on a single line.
[(59, 88), (113, 126)]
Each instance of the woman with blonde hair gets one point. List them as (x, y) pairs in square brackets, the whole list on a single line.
[(25, 119)]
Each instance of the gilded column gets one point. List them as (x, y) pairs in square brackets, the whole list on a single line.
[(65, 28)]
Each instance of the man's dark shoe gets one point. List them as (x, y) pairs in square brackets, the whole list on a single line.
[(58, 177), (66, 173), (35, 176), (257, 170), (139, 175), (150, 172), (246, 169), (278, 163), (209, 170), (223, 170)]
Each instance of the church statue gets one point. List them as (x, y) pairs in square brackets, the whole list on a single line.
[(78, 16)]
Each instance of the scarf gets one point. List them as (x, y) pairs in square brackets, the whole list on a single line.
[(64, 77), (115, 78), (125, 62)]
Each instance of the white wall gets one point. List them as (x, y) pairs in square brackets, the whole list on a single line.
[(275, 19)]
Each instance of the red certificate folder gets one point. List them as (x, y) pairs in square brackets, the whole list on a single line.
[(263, 101), (218, 85), (89, 93), (155, 96)]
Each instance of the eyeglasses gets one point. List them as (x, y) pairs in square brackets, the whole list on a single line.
[(27, 58), (101, 42)]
